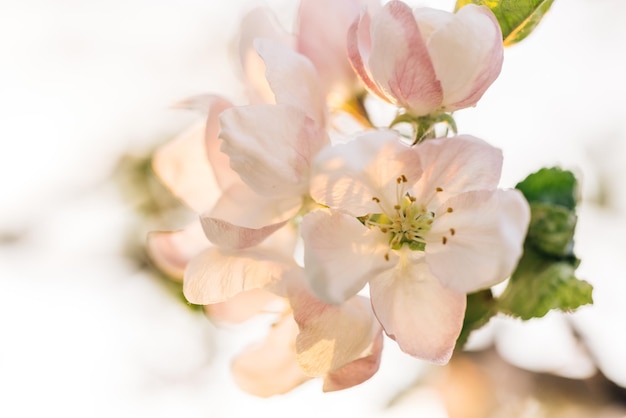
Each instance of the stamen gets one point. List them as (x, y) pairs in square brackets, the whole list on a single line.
[(452, 231), (444, 240), (449, 210), (439, 189), (406, 222)]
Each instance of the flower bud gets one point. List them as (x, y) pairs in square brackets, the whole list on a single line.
[(425, 60)]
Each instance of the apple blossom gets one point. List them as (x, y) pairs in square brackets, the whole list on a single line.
[(422, 225), (319, 34), (341, 344), (238, 260), (271, 146), (425, 60), (193, 169)]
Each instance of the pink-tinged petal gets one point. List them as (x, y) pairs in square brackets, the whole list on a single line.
[(456, 165), (321, 30), (479, 243), (283, 241), (430, 20), (242, 306), (258, 23), (467, 55), (349, 176), (241, 206), (359, 48), (331, 336), (211, 106), (400, 61), (340, 254), (183, 167), (293, 79), (220, 163), (217, 274), (171, 251), (229, 236), (271, 147), (270, 367), (422, 316), (358, 371)]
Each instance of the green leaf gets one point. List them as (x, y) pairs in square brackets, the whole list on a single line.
[(545, 276), (552, 229), (540, 284), (551, 185), (481, 306), (517, 18)]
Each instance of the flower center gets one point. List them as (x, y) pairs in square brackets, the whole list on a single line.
[(406, 223)]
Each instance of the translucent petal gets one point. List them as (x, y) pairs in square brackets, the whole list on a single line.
[(331, 336), (348, 176), (217, 274), (271, 147), (270, 367), (456, 165), (258, 23), (422, 316), (321, 29), (480, 242), (340, 254), (172, 250), (293, 79)]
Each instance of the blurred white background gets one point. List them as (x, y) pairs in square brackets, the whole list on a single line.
[(85, 332)]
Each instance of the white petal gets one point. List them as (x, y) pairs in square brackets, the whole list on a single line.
[(430, 20), (489, 230), (216, 274), (331, 336), (226, 235), (322, 27), (183, 167), (240, 205), (467, 55), (348, 176), (293, 79), (258, 23), (220, 163), (271, 147), (456, 165), (171, 251), (242, 306), (422, 316), (340, 254), (358, 371), (270, 367)]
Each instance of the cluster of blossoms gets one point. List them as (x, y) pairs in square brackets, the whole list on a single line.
[(344, 229)]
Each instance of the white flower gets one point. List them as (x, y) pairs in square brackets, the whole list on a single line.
[(422, 225)]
